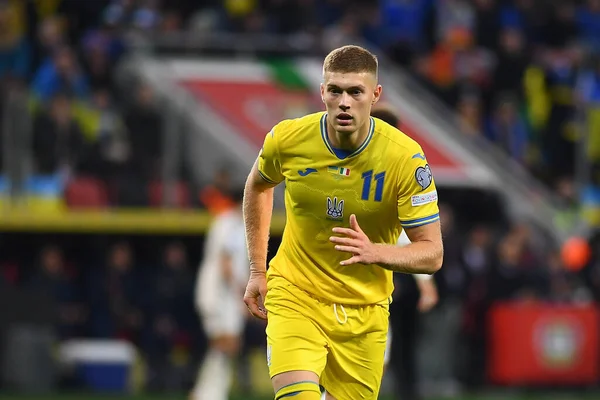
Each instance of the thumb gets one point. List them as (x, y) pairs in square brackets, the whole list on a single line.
[(263, 290), (354, 223)]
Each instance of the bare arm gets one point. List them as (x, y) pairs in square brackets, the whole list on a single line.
[(258, 209), (423, 255)]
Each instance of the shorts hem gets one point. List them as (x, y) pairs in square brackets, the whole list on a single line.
[(335, 396), (283, 370)]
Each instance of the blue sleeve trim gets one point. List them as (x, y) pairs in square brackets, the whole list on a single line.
[(413, 223), (266, 178)]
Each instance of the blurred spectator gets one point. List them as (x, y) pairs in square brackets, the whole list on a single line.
[(452, 277), (145, 127), (118, 296), (102, 48), (507, 129), (470, 114), (455, 18), (562, 69), (588, 22), (61, 73), (560, 288), (487, 24), (53, 277), (216, 196), (477, 255), (58, 142), (561, 27), (591, 273), (511, 63), (509, 279), (173, 317), (50, 38), (111, 151), (404, 23), (14, 48)]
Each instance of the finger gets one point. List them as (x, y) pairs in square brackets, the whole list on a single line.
[(263, 291), (348, 249), (351, 260), (263, 297), (254, 309), (354, 223), (345, 241), (346, 231)]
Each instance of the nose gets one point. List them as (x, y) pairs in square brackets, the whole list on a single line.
[(345, 102)]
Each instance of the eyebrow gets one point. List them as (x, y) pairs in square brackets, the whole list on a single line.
[(359, 87)]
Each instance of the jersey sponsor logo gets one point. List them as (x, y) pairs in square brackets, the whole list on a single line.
[(335, 208), (425, 198), (423, 176), (307, 171)]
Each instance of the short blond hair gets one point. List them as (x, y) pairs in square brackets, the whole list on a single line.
[(351, 58)]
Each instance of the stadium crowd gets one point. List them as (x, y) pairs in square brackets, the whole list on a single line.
[(521, 75)]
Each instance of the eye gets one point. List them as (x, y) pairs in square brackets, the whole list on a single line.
[(335, 90), (356, 92)]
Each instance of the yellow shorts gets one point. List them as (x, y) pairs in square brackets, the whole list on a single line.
[(343, 345)]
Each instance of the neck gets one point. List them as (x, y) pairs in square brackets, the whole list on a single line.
[(348, 141)]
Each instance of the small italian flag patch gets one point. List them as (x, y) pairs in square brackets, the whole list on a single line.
[(339, 171)]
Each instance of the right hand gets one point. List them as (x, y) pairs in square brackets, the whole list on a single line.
[(256, 292)]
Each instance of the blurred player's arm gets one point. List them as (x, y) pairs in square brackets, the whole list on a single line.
[(428, 292), (225, 263)]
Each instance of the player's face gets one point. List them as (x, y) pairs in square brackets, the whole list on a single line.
[(348, 98)]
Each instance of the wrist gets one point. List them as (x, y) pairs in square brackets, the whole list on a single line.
[(258, 267), (381, 257)]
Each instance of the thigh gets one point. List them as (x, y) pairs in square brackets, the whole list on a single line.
[(227, 321), (388, 348), (355, 362), (295, 340)]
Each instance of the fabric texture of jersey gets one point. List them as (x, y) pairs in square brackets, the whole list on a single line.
[(386, 182)]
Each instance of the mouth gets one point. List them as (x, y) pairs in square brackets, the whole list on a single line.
[(344, 119)]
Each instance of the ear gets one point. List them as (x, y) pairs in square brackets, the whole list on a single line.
[(322, 92), (377, 94)]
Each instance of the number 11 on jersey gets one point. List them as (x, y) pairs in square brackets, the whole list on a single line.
[(367, 178)]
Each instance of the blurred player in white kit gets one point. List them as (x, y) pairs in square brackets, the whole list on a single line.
[(220, 287)]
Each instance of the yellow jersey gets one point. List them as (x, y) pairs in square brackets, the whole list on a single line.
[(386, 182)]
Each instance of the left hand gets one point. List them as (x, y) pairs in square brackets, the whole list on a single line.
[(356, 242)]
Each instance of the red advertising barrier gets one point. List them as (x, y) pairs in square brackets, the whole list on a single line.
[(538, 344)]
